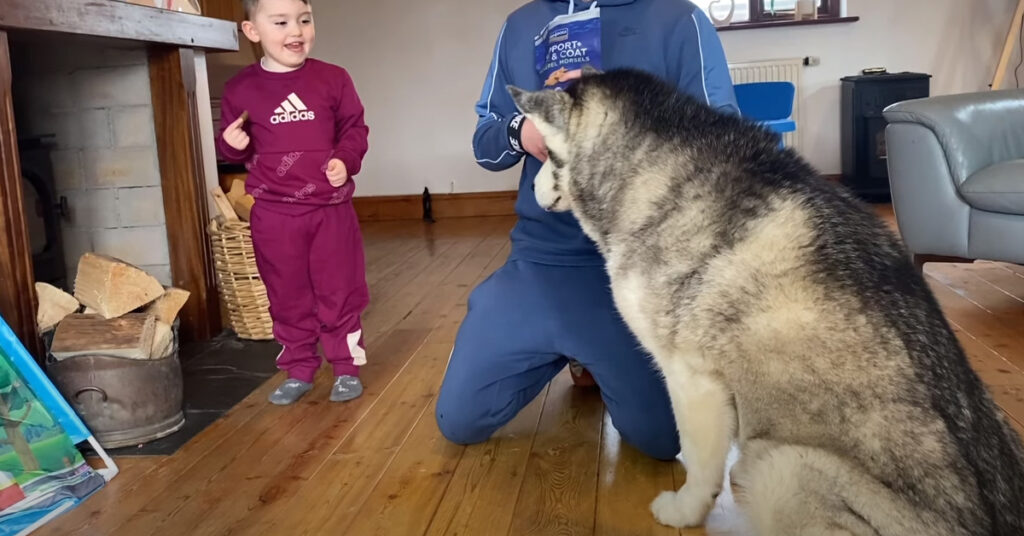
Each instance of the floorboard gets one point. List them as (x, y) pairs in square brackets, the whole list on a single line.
[(378, 465)]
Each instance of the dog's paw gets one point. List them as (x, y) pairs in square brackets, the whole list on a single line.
[(681, 509)]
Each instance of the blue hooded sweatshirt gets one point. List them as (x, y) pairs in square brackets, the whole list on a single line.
[(672, 39)]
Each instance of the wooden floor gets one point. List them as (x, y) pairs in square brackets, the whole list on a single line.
[(378, 465)]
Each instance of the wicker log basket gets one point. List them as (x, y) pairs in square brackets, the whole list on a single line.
[(238, 280)]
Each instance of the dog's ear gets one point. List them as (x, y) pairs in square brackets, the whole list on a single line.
[(518, 96), (589, 70), (548, 106)]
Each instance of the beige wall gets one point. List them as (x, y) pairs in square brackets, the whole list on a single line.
[(419, 67), (958, 42)]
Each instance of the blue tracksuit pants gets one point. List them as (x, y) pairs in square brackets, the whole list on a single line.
[(522, 325)]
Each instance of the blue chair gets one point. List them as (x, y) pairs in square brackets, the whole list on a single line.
[(768, 103)]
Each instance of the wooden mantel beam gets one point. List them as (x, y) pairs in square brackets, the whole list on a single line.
[(17, 284), (119, 20)]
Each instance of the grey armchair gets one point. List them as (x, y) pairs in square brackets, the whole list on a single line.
[(956, 173)]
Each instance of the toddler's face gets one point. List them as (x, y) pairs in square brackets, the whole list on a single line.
[(285, 30)]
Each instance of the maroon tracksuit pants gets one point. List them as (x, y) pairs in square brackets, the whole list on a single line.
[(314, 270)]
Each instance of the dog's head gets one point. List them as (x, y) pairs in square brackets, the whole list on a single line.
[(552, 112), (594, 130)]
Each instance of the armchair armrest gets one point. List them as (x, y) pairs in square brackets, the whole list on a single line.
[(932, 216), (975, 130)]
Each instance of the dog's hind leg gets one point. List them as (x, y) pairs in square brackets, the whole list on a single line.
[(706, 420), (788, 490)]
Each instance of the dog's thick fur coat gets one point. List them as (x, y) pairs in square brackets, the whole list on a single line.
[(783, 315)]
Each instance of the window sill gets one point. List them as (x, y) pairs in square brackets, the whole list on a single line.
[(784, 23)]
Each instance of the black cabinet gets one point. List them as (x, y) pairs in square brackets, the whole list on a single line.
[(863, 127)]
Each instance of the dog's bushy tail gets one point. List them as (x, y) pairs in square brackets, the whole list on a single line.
[(866, 258), (998, 465), (795, 490)]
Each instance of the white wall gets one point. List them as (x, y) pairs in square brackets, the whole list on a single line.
[(419, 97), (419, 68), (958, 42)]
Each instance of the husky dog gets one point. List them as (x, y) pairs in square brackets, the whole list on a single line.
[(783, 315)]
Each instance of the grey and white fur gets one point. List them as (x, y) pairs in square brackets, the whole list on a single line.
[(784, 316)]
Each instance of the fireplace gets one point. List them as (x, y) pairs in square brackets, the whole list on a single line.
[(44, 209), (90, 155), (114, 97)]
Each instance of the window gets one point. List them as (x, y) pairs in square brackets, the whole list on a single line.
[(757, 13), (719, 9)]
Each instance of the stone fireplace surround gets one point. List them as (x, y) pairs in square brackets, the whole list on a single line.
[(95, 102), (123, 90)]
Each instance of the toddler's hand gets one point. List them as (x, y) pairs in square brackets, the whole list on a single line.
[(235, 136), (337, 173)]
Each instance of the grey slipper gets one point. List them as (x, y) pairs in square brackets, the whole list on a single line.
[(289, 391), (346, 388)]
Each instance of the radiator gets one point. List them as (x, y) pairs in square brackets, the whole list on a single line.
[(788, 69)]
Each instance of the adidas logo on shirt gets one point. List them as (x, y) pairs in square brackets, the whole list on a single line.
[(292, 109)]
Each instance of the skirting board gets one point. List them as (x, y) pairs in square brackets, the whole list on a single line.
[(410, 207)]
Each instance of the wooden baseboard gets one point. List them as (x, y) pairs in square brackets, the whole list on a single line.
[(443, 206), (410, 207)]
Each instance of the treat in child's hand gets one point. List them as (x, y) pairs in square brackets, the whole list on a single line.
[(245, 115)]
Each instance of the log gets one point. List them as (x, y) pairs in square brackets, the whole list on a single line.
[(113, 287), (54, 305), (222, 204), (240, 201), (163, 337), (129, 336), (166, 307)]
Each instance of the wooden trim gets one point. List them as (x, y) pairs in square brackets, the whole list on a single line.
[(786, 22), (829, 8), (759, 11), (18, 300), (176, 118), (920, 260), (119, 20), (410, 207), (231, 10)]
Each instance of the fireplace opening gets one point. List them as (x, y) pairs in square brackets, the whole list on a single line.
[(44, 209), (88, 153)]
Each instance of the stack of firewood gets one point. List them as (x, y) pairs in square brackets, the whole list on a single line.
[(234, 205), (117, 310)]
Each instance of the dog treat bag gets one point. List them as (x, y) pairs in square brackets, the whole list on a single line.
[(568, 43)]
